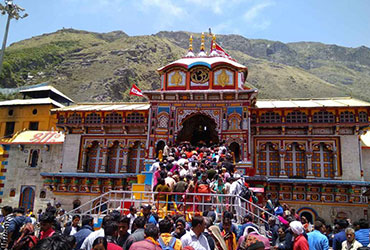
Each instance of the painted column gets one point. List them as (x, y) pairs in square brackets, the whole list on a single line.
[(309, 173), (335, 164), (103, 167), (83, 166), (125, 160), (257, 158), (282, 164)]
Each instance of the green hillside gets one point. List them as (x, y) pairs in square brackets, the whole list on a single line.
[(90, 66)]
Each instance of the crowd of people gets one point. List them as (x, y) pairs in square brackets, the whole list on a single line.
[(181, 175), (54, 230)]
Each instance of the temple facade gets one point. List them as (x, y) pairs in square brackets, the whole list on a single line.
[(306, 152)]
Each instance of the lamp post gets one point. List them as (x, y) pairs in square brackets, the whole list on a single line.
[(13, 11)]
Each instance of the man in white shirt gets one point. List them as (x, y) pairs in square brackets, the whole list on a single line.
[(235, 189), (195, 237), (88, 242), (132, 216)]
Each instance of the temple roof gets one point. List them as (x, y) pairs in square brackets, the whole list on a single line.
[(47, 91), (312, 103), (204, 61), (31, 102), (108, 106)]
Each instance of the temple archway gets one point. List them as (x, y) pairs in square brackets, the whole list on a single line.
[(198, 129), (235, 148)]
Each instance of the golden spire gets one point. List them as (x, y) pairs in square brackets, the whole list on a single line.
[(214, 42), (202, 42), (191, 43)]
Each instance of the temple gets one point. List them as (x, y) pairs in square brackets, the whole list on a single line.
[(306, 152)]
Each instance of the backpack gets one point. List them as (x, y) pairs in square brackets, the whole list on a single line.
[(245, 193), (26, 242), (170, 245)]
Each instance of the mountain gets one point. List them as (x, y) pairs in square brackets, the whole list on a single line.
[(90, 66)]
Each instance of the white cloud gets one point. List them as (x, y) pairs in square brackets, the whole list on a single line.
[(165, 6), (216, 6), (256, 10)]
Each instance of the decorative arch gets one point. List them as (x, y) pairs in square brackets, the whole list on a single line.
[(186, 114), (307, 211), (234, 121)]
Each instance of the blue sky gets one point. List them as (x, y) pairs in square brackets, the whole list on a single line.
[(342, 22)]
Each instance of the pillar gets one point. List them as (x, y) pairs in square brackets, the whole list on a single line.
[(123, 168), (282, 164), (309, 173), (83, 166), (103, 167)]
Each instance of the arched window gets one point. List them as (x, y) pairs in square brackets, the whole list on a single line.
[(347, 117), (12, 192), (362, 116), (323, 162), (269, 160), (270, 117), (34, 158), (113, 118), (295, 161), (115, 158), (136, 158), (296, 117), (27, 197), (323, 117), (74, 119), (42, 194), (95, 158), (135, 118), (93, 118)]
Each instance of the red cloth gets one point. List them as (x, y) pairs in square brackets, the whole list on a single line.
[(300, 243), (46, 234), (112, 246)]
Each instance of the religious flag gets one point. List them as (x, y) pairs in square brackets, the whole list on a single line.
[(136, 91)]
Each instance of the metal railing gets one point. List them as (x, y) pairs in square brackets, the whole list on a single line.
[(187, 204)]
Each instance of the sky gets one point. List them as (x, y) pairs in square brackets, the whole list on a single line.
[(341, 22)]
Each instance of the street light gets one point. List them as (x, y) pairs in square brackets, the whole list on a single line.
[(13, 11)]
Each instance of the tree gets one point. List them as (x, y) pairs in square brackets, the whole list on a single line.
[(13, 12)]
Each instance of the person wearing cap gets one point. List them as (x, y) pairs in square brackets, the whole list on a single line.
[(147, 213), (300, 242)]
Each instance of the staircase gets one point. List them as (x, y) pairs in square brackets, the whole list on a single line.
[(187, 204)]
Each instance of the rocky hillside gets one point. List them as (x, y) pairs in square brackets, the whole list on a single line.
[(90, 66)]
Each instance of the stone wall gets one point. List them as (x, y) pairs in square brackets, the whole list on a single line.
[(71, 150), (350, 157), (366, 163), (329, 212), (20, 175)]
